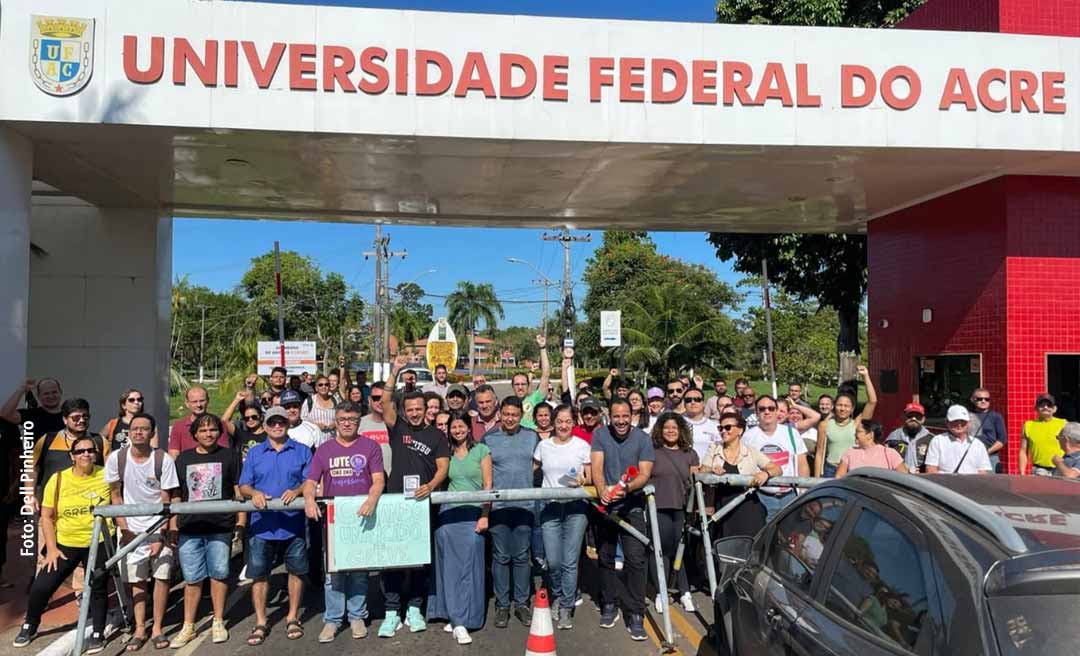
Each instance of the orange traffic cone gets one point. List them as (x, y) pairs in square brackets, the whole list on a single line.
[(541, 636)]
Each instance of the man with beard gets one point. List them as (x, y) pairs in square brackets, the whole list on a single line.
[(912, 439), (441, 385)]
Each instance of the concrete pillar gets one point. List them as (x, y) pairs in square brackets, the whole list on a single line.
[(100, 302), (16, 179)]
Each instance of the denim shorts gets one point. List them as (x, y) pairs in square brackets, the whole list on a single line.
[(262, 554), (204, 556)]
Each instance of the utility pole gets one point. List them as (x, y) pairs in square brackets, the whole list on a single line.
[(566, 238), (202, 342), (382, 255), (768, 323), (546, 284)]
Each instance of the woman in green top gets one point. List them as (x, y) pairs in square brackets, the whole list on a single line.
[(458, 581), (837, 433)]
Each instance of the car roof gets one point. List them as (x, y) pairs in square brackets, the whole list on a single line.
[(1042, 513)]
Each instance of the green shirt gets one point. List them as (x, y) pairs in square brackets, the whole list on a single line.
[(527, 404), (465, 474), (839, 440)]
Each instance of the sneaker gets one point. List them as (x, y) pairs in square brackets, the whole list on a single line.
[(566, 618), (218, 632), (95, 644), (415, 620), (578, 600), (359, 628), (390, 625), (186, 635), (26, 634), (523, 615), (502, 618), (687, 601), (635, 624), (329, 631), (461, 634), (448, 627), (618, 565), (658, 604), (609, 614)]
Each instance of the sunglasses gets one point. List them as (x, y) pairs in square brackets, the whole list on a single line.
[(322, 384), (251, 417), (913, 415), (79, 418), (693, 399), (727, 427), (674, 390), (83, 452), (277, 421), (766, 408), (135, 399), (376, 397), (979, 399), (1045, 404)]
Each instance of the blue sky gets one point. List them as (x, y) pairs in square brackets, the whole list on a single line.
[(216, 253)]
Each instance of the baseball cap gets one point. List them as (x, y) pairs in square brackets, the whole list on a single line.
[(654, 393), (276, 411), (458, 388), (1046, 398), (290, 396), (914, 408), (590, 404), (957, 413)]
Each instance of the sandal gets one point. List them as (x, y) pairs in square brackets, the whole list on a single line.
[(160, 641), (294, 630), (258, 635), (135, 643)]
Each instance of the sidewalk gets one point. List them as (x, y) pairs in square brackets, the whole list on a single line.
[(19, 569)]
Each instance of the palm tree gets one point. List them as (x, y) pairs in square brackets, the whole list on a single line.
[(470, 304), (662, 329)]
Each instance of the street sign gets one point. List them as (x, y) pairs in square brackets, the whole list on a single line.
[(299, 357), (611, 328)]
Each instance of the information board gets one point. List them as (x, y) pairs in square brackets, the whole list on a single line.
[(611, 328), (397, 535), (299, 357)]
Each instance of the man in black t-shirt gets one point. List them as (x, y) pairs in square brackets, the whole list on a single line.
[(421, 457), (46, 417)]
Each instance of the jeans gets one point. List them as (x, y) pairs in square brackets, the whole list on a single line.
[(829, 470), (511, 535), (205, 555), (345, 591), (563, 526), (635, 570), (538, 550), (412, 583), (774, 504), (670, 522), (995, 463)]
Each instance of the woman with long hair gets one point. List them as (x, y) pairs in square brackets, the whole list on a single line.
[(433, 405), (836, 435), (676, 463), (543, 417), (116, 429), (731, 456), (870, 451), (457, 591), (639, 411), (319, 408)]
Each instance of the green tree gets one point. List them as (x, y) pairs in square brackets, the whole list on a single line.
[(847, 13), (469, 305), (804, 339), (410, 319)]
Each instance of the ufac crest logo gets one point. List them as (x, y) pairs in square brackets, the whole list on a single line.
[(61, 53)]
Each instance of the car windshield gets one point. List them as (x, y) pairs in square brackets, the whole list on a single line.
[(1037, 624)]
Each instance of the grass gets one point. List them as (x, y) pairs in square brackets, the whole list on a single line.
[(218, 403)]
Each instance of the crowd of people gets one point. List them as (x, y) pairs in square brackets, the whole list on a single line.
[(324, 436)]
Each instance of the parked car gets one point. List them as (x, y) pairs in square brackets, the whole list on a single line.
[(423, 377), (886, 563)]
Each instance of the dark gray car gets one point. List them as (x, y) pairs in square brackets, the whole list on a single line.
[(887, 563)]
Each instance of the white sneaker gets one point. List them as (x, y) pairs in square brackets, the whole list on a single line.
[(687, 601), (449, 628), (462, 635), (618, 565), (659, 603)]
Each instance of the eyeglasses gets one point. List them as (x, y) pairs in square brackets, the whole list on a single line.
[(726, 427), (135, 399), (78, 418), (83, 452), (694, 399), (749, 395), (766, 408), (348, 420), (674, 390), (981, 399)]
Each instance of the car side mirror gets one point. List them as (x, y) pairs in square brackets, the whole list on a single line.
[(733, 551)]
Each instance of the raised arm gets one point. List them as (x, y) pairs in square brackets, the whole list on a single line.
[(565, 379), (871, 394), (389, 405), (241, 396), (819, 453), (810, 419), (606, 387), (10, 409), (545, 365)]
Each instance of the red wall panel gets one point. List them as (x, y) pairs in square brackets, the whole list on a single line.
[(954, 15), (1047, 17)]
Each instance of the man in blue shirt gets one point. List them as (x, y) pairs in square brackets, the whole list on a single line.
[(987, 425), (275, 469), (510, 523)]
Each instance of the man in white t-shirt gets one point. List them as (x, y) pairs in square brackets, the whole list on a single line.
[(705, 430), (780, 444), (304, 432), (956, 452), (139, 474)]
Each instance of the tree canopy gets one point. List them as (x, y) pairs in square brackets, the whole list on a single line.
[(470, 305), (847, 13)]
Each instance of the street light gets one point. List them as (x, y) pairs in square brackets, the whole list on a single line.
[(544, 281)]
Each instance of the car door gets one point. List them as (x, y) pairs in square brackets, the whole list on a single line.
[(874, 594), (775, 588)]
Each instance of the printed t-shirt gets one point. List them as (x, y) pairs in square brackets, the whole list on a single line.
[(530, 401), (465, 473), (373, 429), (879, 456), (783, 448), (512, 462), (561, 463), (78, 497), (118, 438), (1042, 441), (273, 472), (209, 476), (180, 438), (346, 471), (671, 476), (705, 433), (619, 454), (52, 453), (414, 453), (246, 439)]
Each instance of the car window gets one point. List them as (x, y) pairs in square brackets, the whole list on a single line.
[(800, 537), (878, 584)]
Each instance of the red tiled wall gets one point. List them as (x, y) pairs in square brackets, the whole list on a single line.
[(955, 15), (947, 254), (1049, 17), (1043, 284)]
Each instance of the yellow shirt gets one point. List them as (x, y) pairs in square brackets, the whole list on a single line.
[(75, 504), (1042, 441)]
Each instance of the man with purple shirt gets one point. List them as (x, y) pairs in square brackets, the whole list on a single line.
[(349, 465)]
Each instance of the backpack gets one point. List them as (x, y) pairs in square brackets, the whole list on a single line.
[(121, 462)]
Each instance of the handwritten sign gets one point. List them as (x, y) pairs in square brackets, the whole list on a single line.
[(397, 535)]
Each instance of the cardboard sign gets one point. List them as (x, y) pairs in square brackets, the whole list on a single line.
[(397, 535), (299, 357)]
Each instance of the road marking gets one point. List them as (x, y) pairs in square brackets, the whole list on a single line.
[(655, 632), (683, 626)]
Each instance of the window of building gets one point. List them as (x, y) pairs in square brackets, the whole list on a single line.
[(944, 380)]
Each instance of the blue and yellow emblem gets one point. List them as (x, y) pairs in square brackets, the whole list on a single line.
[(61, 53)]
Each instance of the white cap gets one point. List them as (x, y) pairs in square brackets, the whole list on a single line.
[(958, 413)]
